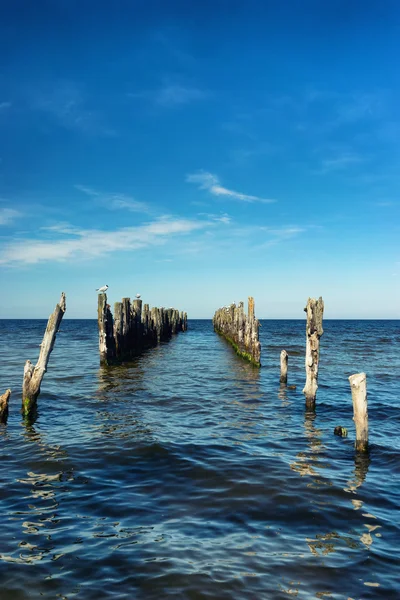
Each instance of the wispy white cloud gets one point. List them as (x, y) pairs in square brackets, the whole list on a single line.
[(208, 181), (115, 201), (221, 218), (7, 215), (340, 162), (68, 105), (5, 105), (73, 243), (172, 94), (176, 95)]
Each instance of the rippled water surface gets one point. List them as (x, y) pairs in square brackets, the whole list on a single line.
[(190, 474)]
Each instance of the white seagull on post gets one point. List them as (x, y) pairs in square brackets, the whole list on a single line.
[(138, 296), (103, 289)]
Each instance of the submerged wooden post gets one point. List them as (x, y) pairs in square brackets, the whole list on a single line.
[(284, 366), (33, 376), (4, 398), (315, 311), (358, 384)]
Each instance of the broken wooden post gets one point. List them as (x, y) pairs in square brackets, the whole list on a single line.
[(4, 406), (284, 367), (33, 376), (315, 311), (106, 331), (240, 330), (358, 384)]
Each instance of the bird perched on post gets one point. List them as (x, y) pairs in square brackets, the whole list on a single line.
[(102, 289), (138, 296)]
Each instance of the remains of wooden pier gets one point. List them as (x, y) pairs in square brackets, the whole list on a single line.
[(134, 328), (358, 385), (240, 330), (315, 311), (4, 399)]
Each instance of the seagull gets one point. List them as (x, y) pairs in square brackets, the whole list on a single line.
[(138, 296), (103, 289)]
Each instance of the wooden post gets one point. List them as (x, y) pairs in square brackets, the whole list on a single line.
[(106, 331), (4, 406), (284, 366), (358, 384), (315, 311), (33, 376), (250, 307), (118, 325)]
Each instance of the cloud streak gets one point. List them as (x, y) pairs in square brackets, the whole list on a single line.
[(172, 95), (8, 215), (208, 181), (74, 243), (67, 105), (115, 201), (340, 162)]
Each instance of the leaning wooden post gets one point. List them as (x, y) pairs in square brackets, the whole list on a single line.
[(284, 366), (33, 376), (315, 311), (4, 406), (358, 384)]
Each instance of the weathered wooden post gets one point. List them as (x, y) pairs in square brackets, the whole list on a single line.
[(4, 398), (106, 331), (284, 366), (137, 339), (118, 325), (33, 376), (358, 384), (315, 311), (250, 308)]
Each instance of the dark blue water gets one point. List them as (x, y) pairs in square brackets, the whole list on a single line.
[(190, 474)]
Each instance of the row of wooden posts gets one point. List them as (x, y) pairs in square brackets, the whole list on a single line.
[(132, 330), (242, 332)]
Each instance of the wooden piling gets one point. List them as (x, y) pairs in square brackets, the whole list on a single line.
[(358, 385), (106, 331), (4, 399), (33, 376), (315, 311), (134, 328), (284, 367), (240, 330)]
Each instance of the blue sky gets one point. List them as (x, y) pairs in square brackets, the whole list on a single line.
[(198, 153)]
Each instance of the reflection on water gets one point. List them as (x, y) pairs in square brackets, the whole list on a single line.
[(361, 465), (309, 461)]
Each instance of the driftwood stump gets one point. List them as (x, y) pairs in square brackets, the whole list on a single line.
[(358, 384), (4, 406), (315, 311), (284, 366), (33, 376)]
